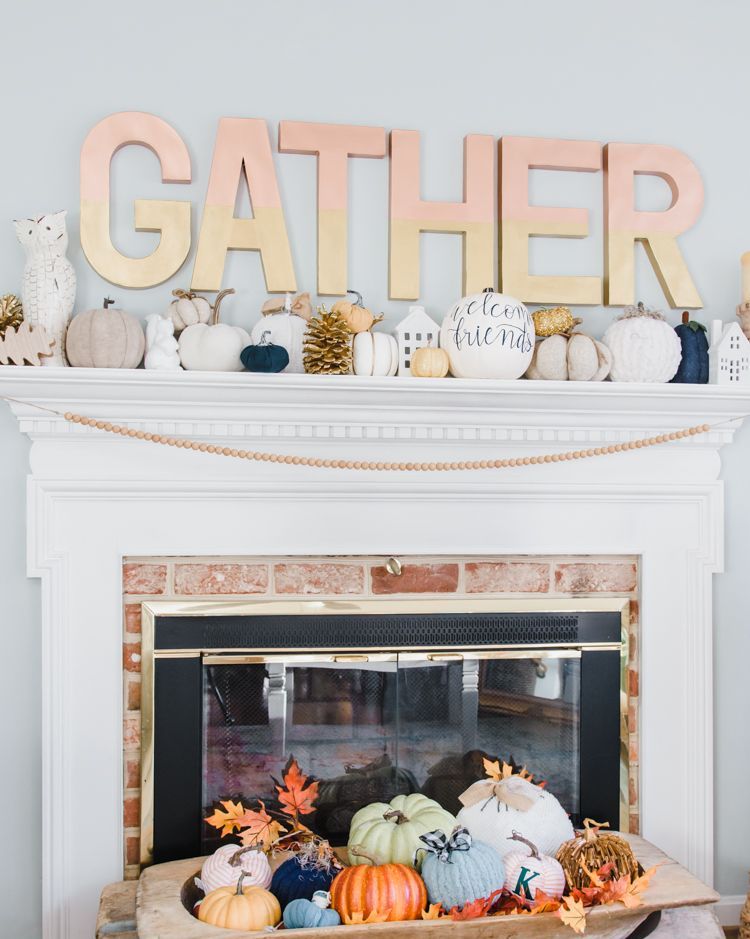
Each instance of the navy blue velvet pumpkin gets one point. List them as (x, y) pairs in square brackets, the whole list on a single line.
[(693, 368), (294, 880), (265, 357)]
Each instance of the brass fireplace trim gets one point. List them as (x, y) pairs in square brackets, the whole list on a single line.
[(151, 609)]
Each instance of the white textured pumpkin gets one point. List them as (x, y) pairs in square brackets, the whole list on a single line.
[(188, 309), (215, 346), (374, 354), (488, 335), (218, 872), (574, 358), (391, 832), (527, 871), (644, 346), (514, 804), (287, 330)]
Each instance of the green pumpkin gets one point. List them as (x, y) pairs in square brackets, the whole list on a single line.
[(457, 870), (391, 832), (311, 914)]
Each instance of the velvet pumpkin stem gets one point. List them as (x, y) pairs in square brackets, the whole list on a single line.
[(358, 295), (515, 836), (359, 851), (395, 814), (217, 303), (184, 294)]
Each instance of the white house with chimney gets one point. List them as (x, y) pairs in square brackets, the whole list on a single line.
[(728, 354)]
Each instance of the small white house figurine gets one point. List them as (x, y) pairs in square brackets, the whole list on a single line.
[(415, 331), (728, 354)]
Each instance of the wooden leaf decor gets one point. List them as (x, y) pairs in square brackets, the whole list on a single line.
[(294, 798), (25, 345), (573, 914), (259, 829), (229, 819)]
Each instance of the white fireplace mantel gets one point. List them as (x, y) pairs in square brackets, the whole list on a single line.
[(95, 497)]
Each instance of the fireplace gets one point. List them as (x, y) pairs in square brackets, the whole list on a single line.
[(377, 698)]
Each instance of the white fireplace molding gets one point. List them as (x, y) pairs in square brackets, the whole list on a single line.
[(94, 498)]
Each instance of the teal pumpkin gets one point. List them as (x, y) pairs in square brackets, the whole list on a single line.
[(456, 869), (265, 357), (310, 914), (298, 879), (693, 369)]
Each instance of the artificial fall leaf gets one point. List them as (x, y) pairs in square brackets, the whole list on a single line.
[(475, 909), (228, 820), (632, 897), (496, 772), (358, 919), (543, 903), (259, 828), (295, 799), (573, 914), (434, 912)]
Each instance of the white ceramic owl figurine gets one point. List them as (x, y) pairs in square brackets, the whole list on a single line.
[(49, 280), (161, 345)]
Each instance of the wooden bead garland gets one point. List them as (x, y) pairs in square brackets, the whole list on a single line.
[(383, 466)]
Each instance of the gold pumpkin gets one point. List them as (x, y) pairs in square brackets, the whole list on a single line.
[(245, 908), (430, 363), (590, 849), (550, 321), (356, 316)]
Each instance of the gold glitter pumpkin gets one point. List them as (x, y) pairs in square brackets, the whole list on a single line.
[(549, 321), (590, 849)]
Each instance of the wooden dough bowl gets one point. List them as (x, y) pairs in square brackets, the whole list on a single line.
[(165, 890)]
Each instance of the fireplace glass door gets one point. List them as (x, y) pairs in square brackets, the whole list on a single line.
[(372, 726)]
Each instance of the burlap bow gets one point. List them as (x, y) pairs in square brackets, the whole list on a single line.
[(442, 845), (503, 792), (299, 305)]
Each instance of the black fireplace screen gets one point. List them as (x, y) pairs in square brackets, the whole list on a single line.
[(371, 724)]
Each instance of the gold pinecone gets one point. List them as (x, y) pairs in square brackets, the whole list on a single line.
[(549, 321), (328, 345), (11, 313)]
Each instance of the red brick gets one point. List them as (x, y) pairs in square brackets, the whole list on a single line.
[(192, 579), (635, 612), (133, 619), (507, 577), (596, 577), (416, 578), (632, 683), (131, 656), (633, 716), (633, 786), (131, 732), (133, 693), (635, 823), (144, 579), (132, 772), (132, 811), (132, 849), (320, 578), (633, 749)]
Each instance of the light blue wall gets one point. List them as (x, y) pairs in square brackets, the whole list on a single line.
[(671, 72)]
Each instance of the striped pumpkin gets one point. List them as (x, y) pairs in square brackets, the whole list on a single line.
[(393, 891)]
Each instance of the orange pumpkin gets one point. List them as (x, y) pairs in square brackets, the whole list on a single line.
[(390, 892), (246, 908)]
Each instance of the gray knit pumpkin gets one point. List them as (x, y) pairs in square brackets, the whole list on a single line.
[(456, 869)]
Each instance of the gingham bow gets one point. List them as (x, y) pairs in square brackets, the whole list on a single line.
[(442, 845)]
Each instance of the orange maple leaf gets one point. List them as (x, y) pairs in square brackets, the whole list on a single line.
[(259, 828), (496, 772), (228, 820), (295, 799), (543, 903), (475, 909), (632, 898), (358, 919), (435, 911), (573, 914)]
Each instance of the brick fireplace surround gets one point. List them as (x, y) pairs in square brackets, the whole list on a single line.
[(234, 578)]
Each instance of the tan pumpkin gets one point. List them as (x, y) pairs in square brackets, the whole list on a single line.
[(188, 309), (245, 908), (105, 338), (570, 358), (356, 316), (428, 362)]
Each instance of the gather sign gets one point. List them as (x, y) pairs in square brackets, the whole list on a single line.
[(243, 153)]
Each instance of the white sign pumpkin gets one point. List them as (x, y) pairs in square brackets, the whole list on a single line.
[(488, 335)]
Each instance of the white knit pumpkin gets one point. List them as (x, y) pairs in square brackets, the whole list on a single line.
[(218, 872), (644, 347), (526, 871), (287, 330), (516, 805), (574, 358)]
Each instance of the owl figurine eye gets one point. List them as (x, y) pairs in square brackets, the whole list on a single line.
[(52, 230), (26, 229)]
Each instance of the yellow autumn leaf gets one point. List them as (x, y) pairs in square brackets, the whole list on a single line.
[(573, 914), (358, 919), (434, 912), (228, 820)]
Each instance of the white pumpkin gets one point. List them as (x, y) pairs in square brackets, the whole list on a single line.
[(391, 832), (215, 346), (488, 335), (188, 309), (218, 872), (526, 871), (287, 330), (374, 354), (492, 811), (570, 358), (644, 346)]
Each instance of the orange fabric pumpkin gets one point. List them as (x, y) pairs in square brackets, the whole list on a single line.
[(390, 892), (245, 908), (356, 315)]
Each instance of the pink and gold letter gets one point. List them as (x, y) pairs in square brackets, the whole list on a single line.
[(521, 221), (333, 144), (474, 218), (243, 148), (657, 231), (171, 218)]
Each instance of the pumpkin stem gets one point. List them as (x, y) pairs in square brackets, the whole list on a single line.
[(358, 295), (399, 817), (685, 317), (217, 303), (183, 294), (591, 828), (359, 851), (242, 876), (108, 303), (264, 340), (236, 859), (515, 836)]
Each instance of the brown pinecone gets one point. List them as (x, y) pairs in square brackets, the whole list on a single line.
[(11, 313), (328, 345)]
